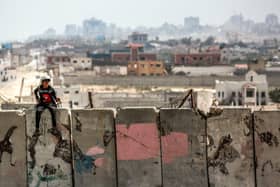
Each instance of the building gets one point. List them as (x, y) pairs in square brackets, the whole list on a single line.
[(146, 68), (195, 59), (253, 91), (8, 74), (136, 52), (131, 52), (81, 63), (138, 38), (72, 97), (236, 54), (56, 63), (192, 24), (112, 70), (270, 43)]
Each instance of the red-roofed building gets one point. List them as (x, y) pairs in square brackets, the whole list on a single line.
[(195, 59), (136, 53)]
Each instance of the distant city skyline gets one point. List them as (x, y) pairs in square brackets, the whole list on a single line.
[(20, 19)]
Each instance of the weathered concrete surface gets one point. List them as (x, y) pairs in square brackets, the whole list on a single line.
[(138, 148), (12, 138), (183, 148), (230, 149), (267, 137), (49, 154), (17, 106), (93, 133)]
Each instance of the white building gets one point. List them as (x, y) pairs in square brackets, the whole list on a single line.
[(72, 96), (253, 91), (7, 73), (236, 53), (81, 63), (110, 70)]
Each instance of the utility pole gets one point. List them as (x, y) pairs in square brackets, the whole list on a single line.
[(90, 99), (21, 89)]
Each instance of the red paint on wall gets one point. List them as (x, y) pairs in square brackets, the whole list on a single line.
[(141, 141), (174, 145), (137, 141)]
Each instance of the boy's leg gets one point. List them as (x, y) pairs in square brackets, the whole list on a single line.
[(53, 115), (39, 111)]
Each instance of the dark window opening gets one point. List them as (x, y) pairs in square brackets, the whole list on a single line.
[(250, 93)]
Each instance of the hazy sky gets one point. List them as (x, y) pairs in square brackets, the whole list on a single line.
[(20, 18)]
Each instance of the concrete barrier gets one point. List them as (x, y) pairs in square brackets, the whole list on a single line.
[(93, 133), (138, 148), (183, 148), (12, 149), (267, 137), (230, 149), (49, 153), (17, 106)]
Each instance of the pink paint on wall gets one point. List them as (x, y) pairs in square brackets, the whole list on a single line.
[(99, 162), (137, 141), (174, 145), (141, 141), (95, 151)]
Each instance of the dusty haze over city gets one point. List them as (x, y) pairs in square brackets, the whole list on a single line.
[(22, 18)]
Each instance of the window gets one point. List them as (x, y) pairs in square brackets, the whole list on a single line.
[(183, 59), (263, 95), (250, 93), (143, 74), (239, 94), (252, 78), (76, 103), (219, 94), (223, 94), (66, 92), (75, 61), (142, 65), (158, 65), (77, 91), (233, 94), (142, 58)]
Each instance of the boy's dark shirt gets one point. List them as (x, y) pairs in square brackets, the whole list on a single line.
[(45, 95)]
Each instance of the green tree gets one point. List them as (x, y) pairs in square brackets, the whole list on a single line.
[(275, 95)]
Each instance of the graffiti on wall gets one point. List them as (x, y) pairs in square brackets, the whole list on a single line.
[(224, 154), (7, 146), (93, 158), (49, 155)]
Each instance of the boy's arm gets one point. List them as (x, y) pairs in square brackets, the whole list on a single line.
[(36, 94), (56, 99)]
